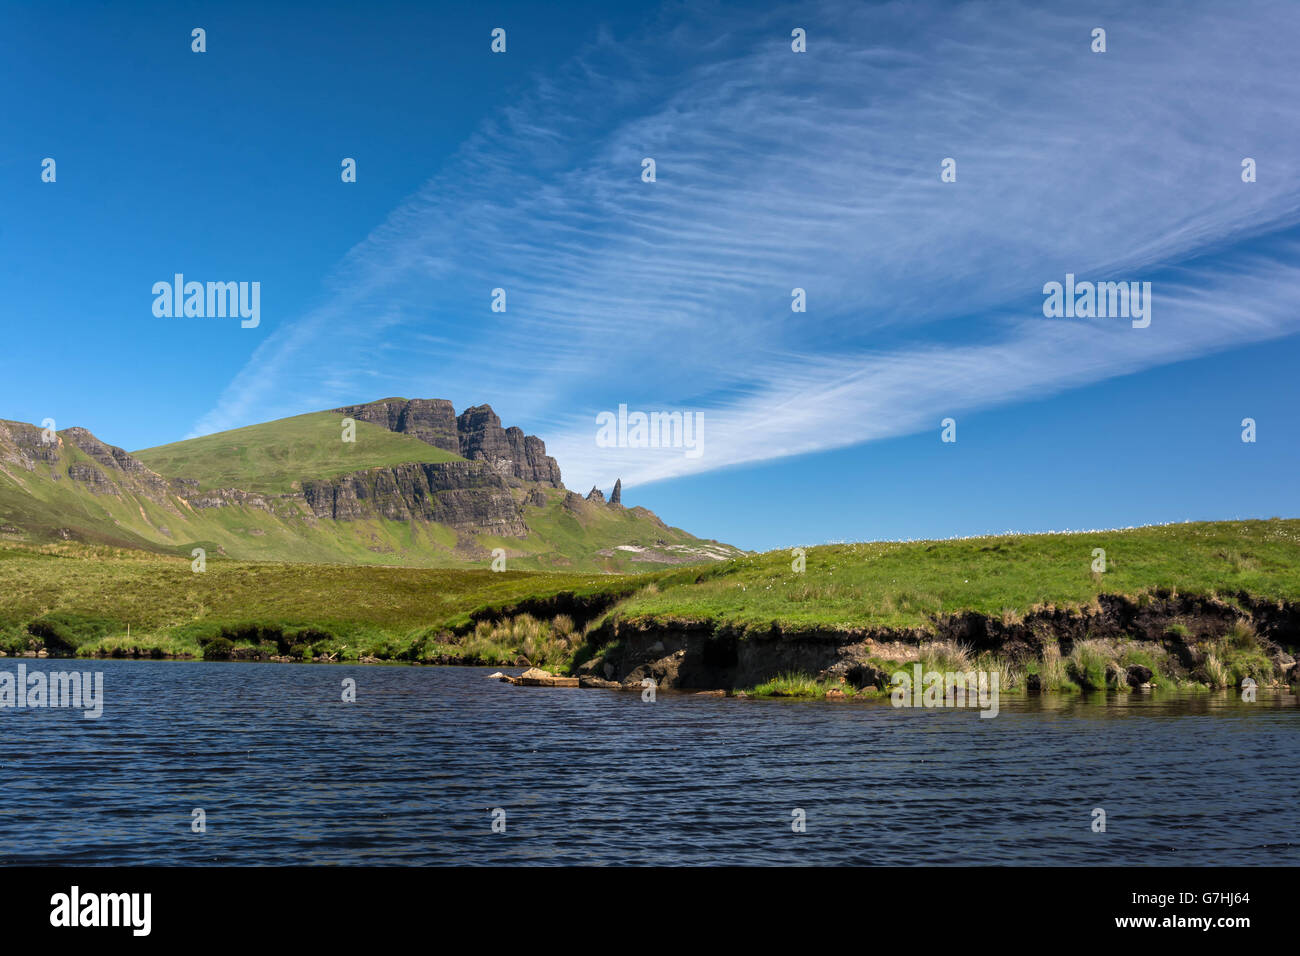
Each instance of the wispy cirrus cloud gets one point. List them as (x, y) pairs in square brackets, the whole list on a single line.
[(821, 171)]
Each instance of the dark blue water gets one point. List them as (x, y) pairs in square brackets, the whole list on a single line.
[(288, 773)]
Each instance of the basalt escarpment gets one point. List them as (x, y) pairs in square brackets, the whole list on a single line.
[(508, 450), (465, 495), (116, 459), (431, 420), (111, 470), (707, 655), (476, 434), (23, 445)]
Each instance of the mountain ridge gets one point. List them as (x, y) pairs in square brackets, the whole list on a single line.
[(417, 485)]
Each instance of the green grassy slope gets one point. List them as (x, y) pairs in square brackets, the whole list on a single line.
[(273, 457), (125, 509), (47, 505), (619, 540), (92, 594), (904, 584)]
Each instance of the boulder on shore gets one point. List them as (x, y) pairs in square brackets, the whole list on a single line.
[(536, 677)]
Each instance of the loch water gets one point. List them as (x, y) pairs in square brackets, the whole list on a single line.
[(287, 772)]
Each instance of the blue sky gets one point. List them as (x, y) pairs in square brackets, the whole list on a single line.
[(775, 170)]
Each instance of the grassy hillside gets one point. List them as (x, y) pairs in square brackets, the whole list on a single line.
[(617, 540), (903, 584), (47, 504), (87, 598), (68, 495), (273, 457)]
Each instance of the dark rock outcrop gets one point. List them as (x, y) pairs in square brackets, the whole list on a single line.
[(616, 497), (465, 495), (1137, 675), (431, 420), (110, 456), (483, 438), (531, 463), (92, 477), (507, 450), (476, 434), (596, 494), (22, 444)]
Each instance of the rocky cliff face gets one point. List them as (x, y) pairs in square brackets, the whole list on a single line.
[(476, 434), (78, 488), (21, 446), (113, 459), (507, 450), (465, 495), (432, 420)]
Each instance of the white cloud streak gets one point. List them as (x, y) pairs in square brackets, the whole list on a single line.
[(821, 170)]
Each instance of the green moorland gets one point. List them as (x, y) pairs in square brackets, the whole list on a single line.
[(88, 600), (82, 599), (907, 585), (273, 457), (904, 584)]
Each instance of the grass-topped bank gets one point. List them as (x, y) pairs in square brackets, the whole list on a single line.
[(1206, 603), (906, 584)]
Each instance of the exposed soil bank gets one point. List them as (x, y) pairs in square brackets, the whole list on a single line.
[(1182, 631), (582, 608)]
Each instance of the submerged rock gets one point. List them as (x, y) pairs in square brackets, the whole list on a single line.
[(536, 677), (1138, 675)]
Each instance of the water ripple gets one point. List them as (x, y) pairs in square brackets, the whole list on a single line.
[(287, 773)]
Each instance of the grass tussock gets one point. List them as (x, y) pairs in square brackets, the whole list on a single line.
[(549, 644), (804, 685), (1051, 670)]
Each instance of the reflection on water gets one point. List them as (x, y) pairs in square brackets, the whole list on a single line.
[(288, 773)]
